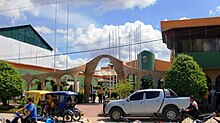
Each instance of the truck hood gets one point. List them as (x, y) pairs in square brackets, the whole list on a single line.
[(118, 101)]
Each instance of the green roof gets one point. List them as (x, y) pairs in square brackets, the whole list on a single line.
[(26, 34)]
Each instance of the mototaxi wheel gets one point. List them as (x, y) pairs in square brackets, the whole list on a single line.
[(76, 115), (67, 117)]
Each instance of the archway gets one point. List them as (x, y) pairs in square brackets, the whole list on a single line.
[(217, 82), (50, 84), (146, 82), (35, 85), (67, 83), (133, 79), (105, 77)]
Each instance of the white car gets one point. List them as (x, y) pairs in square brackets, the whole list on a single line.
[(146, 103)]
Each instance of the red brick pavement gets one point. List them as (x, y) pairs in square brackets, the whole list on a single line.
[(90, 109)]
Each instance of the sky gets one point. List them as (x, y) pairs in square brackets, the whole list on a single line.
[(91, 24)]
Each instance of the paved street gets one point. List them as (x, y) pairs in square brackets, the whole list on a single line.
[(91, 111)]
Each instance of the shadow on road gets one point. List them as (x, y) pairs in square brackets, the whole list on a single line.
[(132, 120)]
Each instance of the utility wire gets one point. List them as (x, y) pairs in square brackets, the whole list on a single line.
[(124, 37), (83, 51)]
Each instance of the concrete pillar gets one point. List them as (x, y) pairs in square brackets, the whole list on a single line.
[(87, 82), (75, 83), (58, 84)]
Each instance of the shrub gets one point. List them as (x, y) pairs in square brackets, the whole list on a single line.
[(185, 77)]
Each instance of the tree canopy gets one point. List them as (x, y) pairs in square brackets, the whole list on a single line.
[(185, 77), (11, 83)]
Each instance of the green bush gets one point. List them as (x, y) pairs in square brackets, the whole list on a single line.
[(81, 97), (124, 88), (22, 102), (11, 83), (185, 77), (114, 94)]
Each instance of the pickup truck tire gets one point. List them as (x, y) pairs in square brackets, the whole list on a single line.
[(116, 114), (170, 114)]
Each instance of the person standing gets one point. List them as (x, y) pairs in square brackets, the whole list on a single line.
[(100, 95), (206, 100), (103, 94), (93, 95), (213, 97)]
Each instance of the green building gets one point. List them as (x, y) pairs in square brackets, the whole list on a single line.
[(146, 60), (199, 38)]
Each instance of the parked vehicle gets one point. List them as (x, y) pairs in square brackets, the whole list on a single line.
[(62, 104), (146, 102), (38, 97)]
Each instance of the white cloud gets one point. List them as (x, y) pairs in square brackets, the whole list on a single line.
[(95, 38), (75, 18), (218, 9), (211, 12), (215, 11), (15, 10), (11, 9), (70, 34), (124, 4), (43, 30), (184, 18), (61, 62)]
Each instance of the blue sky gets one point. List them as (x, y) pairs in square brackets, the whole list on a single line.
[(90, 22)]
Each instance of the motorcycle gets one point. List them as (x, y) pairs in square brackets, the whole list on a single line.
[(199, 119), (19, 116)]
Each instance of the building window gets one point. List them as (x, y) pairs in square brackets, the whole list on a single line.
[(197, 45), (211, 44)]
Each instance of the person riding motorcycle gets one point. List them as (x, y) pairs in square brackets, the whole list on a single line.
[(192, 110), (30, 113)]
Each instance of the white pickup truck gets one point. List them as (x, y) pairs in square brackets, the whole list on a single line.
[(146, 103)]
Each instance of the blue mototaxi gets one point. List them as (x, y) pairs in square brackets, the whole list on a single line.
[(64, 105)]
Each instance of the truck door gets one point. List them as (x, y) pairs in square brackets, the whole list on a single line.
[(152, 101), (136, 103)]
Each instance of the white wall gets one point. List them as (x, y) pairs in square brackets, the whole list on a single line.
[(9, 49)]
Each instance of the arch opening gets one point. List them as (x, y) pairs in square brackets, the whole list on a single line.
[(147, 82), (35, 84), (67, 83)]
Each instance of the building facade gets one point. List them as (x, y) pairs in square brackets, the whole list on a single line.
[(23, 44), (199, 38)]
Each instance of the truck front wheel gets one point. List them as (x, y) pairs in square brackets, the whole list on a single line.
[(170, 114), (116, 114)]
